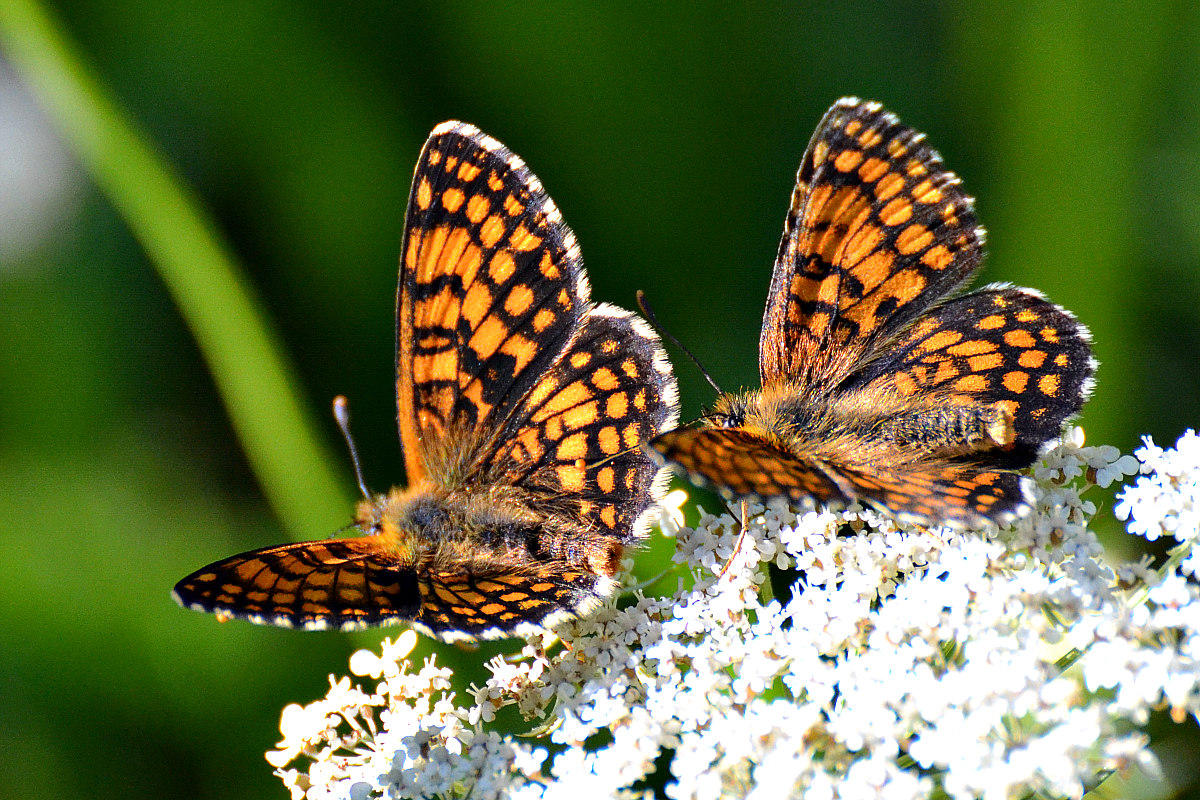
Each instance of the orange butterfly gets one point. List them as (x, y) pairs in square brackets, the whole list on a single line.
[(522, 407), (877, 385)]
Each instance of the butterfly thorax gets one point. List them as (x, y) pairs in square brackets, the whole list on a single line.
[(863, 424), (482, 529)]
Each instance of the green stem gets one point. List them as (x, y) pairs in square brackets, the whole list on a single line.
[(247, 363)]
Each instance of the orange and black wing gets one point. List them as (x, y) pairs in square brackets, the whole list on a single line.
[(878, 230), (577, 439), (491, 289), (334, 584), (460, 606), (1000, 346), (742, 465)]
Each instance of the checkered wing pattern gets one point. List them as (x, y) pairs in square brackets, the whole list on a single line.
[(577, 439), (491, 289), (742, 465), (877, 231), (338, 583), (460, 606), (1000, 347)]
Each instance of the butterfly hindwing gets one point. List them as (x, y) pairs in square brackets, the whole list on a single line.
[(577, 439), (491, 288), (1000, 345), (877, 231)]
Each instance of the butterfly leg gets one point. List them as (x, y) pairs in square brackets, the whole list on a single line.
[(737, 546)]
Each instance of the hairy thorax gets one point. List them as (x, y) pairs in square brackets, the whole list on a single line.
[(483, 529)]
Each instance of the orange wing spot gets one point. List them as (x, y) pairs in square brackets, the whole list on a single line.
[(456, 244), (981, 363), (605, 380), (491, 231), (862, 242), (410, 254), (610, 440), (991, 322), (452, 199), (609, 517), (580, 359), (467, 172), (1027, 315), (1019, 338), (904, 383), (913, 238), (945, 371), (548, 268), (435, 157), (541, 588), (451, 161), (564, 299), (873, 169), (971, 383), (476, 304), (1061, 360), (630, 368), (501, 267), (927, 193), (848, 160), (523, 240), (477, 208), (1048, 334), (889, 185), (971, 347), (606, 479), (519, 299), (1032, 359), (617, 406), (896, 148), (937, 257), (494, 182), (521, 349), (869, 138), (639, 400), (513, 206), (631, 435), (571, 395), (1049, 385), (940, 341), (853, 127), (897, 212), (432, 243), (424, 194), (1015, 381), (581, 416)]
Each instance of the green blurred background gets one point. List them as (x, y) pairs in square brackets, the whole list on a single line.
[(668, 135)]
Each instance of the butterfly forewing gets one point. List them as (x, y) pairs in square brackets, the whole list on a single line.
[(491, 288), (338, 583), (877, 231)]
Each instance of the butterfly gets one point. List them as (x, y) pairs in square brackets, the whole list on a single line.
[(879, 385), (522, 410)]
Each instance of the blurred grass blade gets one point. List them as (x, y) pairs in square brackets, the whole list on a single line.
[(246, 362)]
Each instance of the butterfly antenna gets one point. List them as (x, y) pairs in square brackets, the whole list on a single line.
[(341, 413), (645, 307)]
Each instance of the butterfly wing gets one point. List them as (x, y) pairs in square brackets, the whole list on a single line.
[(491, 289), (576, 441), (1001, 345), (741, 465), (338, 583), (877, 231)]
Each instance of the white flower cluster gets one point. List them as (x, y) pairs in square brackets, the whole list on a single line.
[(902, 663)]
